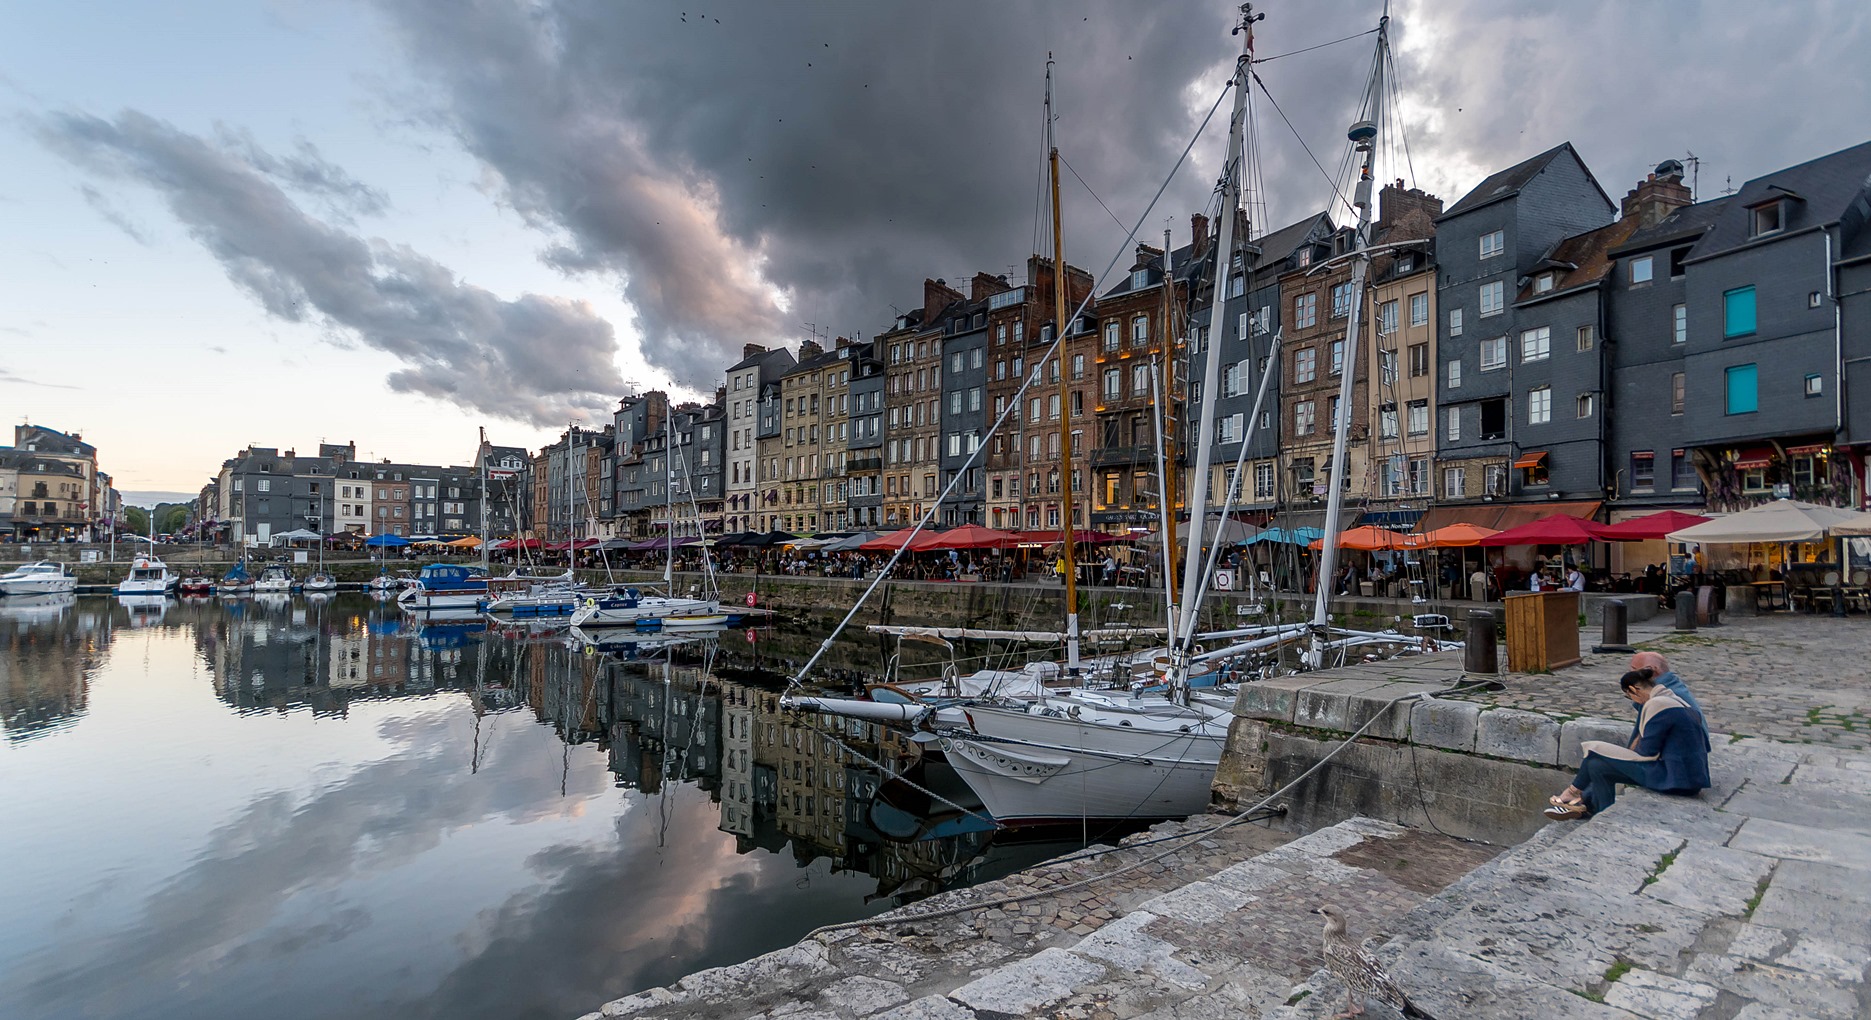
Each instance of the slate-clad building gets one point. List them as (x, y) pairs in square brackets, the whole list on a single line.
[(1495, 414), (964, 403), (864, 449)]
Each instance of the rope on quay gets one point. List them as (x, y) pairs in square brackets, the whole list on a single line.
[(1175, 846)]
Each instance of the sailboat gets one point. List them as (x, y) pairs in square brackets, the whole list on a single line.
[(1079, 754), (320, 581)]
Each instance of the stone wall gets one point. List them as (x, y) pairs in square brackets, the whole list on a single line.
[(1457, 767)]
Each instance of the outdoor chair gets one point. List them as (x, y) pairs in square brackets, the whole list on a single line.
[(1800, 598)]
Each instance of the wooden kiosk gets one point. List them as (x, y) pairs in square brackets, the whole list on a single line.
[(1542, 631)]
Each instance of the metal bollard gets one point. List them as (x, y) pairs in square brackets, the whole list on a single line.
[(1686, 610), (1614, 624), (1480, 650)]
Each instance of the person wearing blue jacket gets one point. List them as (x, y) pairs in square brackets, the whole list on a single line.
[(1670, 753)]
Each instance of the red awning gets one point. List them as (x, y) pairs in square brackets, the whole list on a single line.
[(1754, 457), (972, 536), (1651, 526), (1499, 516), (1530, 460), (1557, 529)]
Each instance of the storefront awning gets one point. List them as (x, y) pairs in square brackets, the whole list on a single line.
[(1530, 460), (1801, 451), (1501, 516), (1754, 457), (1394, 520)]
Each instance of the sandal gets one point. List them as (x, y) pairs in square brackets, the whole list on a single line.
[(1559, 800), (1566, 813)]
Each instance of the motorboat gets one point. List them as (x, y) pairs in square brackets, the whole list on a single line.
[(445, 586), (196, 583), (626, 606), (320, 582), (388, 583), (235, 582), (42, 578), (521, 596), (149, 575), (274, 580)]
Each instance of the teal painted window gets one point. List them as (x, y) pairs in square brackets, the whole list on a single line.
[(1743, 389), (1738, 312)]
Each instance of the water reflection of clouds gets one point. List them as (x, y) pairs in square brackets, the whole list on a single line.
[(225, 908)]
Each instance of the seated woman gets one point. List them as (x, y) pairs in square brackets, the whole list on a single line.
[(1669, 753)]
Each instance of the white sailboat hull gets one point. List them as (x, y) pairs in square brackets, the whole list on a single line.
[(419, 599), (1030, 768), (650, 607)]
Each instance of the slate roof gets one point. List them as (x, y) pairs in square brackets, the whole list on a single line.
[(1586, 255), (1828, 190), (756, 359), (1505, 184), (1685, 223)]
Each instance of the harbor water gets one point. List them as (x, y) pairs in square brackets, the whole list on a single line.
[(325, 808)]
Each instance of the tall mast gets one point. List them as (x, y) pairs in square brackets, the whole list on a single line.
[(669, 497), (1165, 467), (483, 459), (1363, 137), (1059, 327), (1204, 435)]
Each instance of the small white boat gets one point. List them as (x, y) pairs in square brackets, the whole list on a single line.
[(388, 584), (695, 621), (445, 586), (235, 582), (625, 608), (195, 583), (41, 578), (148, 575), (526, 597), (274, 581), (319, 582)]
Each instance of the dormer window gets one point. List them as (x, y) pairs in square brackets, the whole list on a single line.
[(1767, 219), (1542, 283), (1139, 279), (1305, 257)]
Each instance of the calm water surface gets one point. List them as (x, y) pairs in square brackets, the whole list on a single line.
[(322, 810)]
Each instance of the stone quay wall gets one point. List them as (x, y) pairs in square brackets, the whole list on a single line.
[(1456, 767)]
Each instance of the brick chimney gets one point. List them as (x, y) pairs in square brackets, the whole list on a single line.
[(1147, 256), (986, 285), (1656, 197), (841, 343), (810, 349), (1198, 234), (1411, 210), (937, 295), (750, 350)]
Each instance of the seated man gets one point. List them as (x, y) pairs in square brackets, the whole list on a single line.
[(1670, 754), (1666, 677)]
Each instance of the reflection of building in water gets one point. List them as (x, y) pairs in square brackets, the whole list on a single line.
[(665, 730), (737, 759), (47, 652)]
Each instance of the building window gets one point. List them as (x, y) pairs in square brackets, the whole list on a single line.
[(1493, 354), (1305, 365), (1682, 473), (1341, 300), (1387, 318), (1738, 312), (1387, 421), (1766, 218), (1455, 322), (1455, 424), (1536, 474), (1643, 268), (1139, 331), (1338, 357), (1455, 374), (1586, 403), (1544, 282), (1454, 483), (1493, 243), (1814, 386), (1418, 417), (1536, 344), (1112, 336), (1679, 328), (1587, 337), (1303, 420), (1419, 361), (1494, 418), (262, 485), (1305, 311), (1113, 384), (1743, 389), (1419, 309), (1263, 480), (1676, 392), (1493, 298), (1539, 405), (1078, 367)]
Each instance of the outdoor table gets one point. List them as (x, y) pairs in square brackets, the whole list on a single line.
[(1770, 595)]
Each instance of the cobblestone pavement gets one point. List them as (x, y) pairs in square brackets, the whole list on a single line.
[(1145, 942), (1789, 677)]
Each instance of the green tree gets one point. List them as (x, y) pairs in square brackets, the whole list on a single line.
[(135, 521), (171, 519)]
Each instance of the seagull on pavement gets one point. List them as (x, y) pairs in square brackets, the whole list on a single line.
[(1358, 969)]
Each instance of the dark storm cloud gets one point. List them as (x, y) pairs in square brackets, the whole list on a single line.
[(534, 358), (839, 155), (836, 155)]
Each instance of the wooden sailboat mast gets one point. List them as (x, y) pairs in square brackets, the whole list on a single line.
[(1067, 523)]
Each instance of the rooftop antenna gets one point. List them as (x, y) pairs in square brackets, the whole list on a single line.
[(1729, 182), (813, 329), (1695, 172)]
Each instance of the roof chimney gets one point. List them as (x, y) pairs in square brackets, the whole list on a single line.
[(1658, 195), (1198, 234), (750, 350), (937, 295), (986, 285), (810, 349)]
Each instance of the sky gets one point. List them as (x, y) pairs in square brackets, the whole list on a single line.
[(397, 221)]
